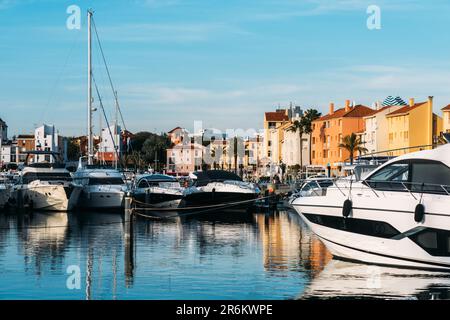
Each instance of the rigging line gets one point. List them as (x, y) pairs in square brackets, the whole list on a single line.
[(58, 79), (110, 133), (110, 79), (108, 73), (106, 118)]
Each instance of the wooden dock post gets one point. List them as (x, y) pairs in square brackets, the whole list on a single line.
[(129, 248), (128, 215)]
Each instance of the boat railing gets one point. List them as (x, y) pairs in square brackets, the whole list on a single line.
[(412, 188)]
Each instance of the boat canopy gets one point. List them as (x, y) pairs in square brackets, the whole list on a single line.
[(204, 177), (158, 178)]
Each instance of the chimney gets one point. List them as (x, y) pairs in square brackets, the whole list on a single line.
[(430, 100), (331, 107), (411, 102), (347, 105)]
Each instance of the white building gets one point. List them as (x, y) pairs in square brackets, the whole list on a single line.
[(375, 136), (47, 139), (7, 152), (3, 132), (110, 139), (290, 149), (185, 158), (446, 118)]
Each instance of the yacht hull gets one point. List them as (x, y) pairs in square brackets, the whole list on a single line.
[(206, 198), (101, 200), (159, 200), (46, 198), (381, 230)]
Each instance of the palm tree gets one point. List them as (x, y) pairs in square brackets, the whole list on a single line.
[(309, 116), (353, 144), (299, 126)]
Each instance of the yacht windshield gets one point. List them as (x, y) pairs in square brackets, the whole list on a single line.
[(106, 181), (414, 175), (46, 176)]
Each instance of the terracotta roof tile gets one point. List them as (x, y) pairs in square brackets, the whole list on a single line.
[(174, 129), (355, 112), (404, 109), (446, 108), (276, 116)]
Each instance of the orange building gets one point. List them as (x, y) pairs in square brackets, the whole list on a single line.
[(329, 130)]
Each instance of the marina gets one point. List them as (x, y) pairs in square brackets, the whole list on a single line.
[(341, 199)]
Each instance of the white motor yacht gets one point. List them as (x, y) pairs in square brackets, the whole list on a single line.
[(398, 215), (102, 187), (45, 185), (158, 190)]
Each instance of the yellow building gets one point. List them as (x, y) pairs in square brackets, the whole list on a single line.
[(446, 119), (274, 124), (413, 127)]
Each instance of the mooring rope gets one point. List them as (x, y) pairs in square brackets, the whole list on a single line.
[(150, 207), (206, 209)]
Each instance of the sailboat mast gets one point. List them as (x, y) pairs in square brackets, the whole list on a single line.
[(89, 122), (116, 131)]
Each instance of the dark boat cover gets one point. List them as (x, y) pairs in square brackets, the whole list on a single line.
[(205, 177)]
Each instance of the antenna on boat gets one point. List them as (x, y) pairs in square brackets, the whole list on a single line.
[(90, 135)]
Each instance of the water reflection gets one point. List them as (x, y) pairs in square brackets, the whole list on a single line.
[(341, 279), (289, 245), (214, 256), (42, 238)]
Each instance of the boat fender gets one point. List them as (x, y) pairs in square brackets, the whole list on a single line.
[(419, 212), (347, 208)]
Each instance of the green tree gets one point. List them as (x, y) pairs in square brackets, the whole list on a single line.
[(299, 126), (154, 147), (73, 149), (352, 143), (309, 116)]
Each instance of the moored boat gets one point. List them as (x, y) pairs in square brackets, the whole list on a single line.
[(103, 187), (216, 187), (158, 190), (45, 185), (398, 215)]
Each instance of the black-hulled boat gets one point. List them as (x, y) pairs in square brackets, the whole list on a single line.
[(214, 187), (158, 190)]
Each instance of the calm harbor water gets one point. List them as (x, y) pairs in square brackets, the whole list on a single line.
[(222, 256)]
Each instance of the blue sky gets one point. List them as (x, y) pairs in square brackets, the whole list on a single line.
[(222, 62)]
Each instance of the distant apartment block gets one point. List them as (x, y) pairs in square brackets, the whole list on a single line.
[(376, 133), (329, 130), (413, 127), (446, 119), (290, 145), (47, 138), (3, 132), (184, 158), (111, 144), (274, 133)]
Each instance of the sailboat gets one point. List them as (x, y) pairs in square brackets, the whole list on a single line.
[(103, 187)]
